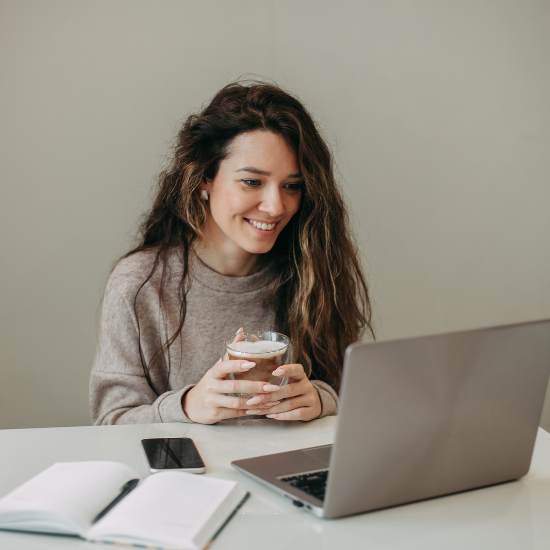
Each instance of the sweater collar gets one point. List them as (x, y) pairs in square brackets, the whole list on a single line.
[(225, 283)]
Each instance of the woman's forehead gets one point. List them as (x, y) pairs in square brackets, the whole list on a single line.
[(264, 150)]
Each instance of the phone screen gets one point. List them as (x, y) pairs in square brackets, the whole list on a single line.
[(172, 453)]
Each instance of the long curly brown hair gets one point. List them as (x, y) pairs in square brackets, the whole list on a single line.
[(319, 293)]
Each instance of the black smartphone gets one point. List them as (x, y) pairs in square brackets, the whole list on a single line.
[(173, 453)]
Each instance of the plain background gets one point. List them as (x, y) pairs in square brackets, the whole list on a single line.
[(438, 113)]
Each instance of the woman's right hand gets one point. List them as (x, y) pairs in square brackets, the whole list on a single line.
[(208, 402)]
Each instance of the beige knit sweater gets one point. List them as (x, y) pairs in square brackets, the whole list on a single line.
[(217, 306)]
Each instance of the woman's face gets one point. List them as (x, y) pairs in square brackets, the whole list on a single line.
[(254, 195)]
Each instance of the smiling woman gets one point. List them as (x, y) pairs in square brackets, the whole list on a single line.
[(248, 229)]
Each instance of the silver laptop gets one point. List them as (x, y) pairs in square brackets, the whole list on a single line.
[(420, 418)]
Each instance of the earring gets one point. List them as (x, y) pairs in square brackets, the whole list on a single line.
[(204, 195)]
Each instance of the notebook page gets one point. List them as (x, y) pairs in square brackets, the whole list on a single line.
[(77, 491), (168, 508)]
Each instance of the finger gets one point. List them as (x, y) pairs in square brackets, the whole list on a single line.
[(302, 413), (288, 405), (239, 336), (306, 405), (230, 402), (257, 399), (265, 407), (276, 395), (261, 400), (233, 402), (249, 387), (222, 368), (294, 370), (283, 392)]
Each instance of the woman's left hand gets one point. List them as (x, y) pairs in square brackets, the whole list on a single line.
[(299, 398)]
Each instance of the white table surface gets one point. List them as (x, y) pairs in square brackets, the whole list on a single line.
[(512, 515)]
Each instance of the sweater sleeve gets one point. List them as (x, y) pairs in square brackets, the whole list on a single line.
[(119, 391), (328, 397)]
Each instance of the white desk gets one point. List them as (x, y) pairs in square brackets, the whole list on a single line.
[(513, 515)]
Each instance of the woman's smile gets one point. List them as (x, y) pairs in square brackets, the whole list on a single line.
[(264, 228)]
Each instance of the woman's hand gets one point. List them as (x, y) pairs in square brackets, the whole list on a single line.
[(299, 399), (208, 401)]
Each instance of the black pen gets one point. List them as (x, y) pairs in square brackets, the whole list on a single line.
[(127, 488)]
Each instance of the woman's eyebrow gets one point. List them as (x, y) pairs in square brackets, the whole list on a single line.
[(263, 172)]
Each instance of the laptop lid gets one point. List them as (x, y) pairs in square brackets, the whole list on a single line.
[(433, 415)]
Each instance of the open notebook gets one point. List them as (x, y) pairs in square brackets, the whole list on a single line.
[(173, 510)]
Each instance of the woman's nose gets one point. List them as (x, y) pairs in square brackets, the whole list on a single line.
[(272, 203)]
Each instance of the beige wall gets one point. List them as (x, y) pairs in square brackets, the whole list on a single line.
[(438, 112)]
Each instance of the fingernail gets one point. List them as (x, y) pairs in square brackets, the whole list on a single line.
[(270, 387), (253, 411), (278, 372), (271, 415), (254, 400), (271, 403), (240, 330), (247, 365)]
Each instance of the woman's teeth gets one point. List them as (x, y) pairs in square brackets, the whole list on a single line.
[(264, 226)]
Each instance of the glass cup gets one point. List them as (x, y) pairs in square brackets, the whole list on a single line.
[(269, 350)]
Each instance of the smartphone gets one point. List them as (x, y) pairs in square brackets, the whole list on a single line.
[(173, 453)]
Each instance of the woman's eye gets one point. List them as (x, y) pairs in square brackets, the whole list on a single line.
[(252, 183), (294, 186)]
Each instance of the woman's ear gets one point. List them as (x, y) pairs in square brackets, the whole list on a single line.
[(204, 187)]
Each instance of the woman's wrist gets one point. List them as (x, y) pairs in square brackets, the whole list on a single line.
[(185, 403)]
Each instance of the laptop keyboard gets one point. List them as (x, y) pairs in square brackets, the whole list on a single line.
[(313, 483)]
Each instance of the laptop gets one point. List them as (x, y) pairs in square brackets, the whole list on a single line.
[(421, 418)]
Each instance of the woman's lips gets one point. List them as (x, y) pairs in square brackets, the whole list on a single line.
[(260, 231)]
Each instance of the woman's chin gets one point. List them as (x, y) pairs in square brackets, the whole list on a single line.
[(258, 247)]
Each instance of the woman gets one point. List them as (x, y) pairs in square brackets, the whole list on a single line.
[(248, 229)]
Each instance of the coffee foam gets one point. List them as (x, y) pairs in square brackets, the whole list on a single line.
[(263, 349)]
